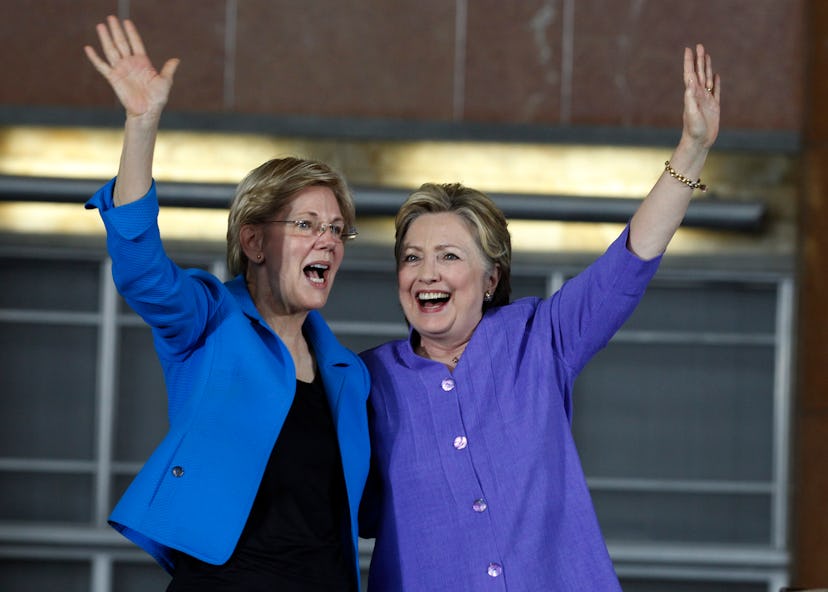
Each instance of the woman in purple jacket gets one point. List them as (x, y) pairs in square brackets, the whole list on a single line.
[(256, 485), (476, 483)]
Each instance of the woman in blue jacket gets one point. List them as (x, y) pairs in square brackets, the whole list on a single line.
[(257, 483)]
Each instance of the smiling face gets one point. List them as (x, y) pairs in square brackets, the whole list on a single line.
[(297, 270), (442, 277)]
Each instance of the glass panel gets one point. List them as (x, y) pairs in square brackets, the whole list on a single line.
[(47, 408), (35, 284), (358, 343), (660, 585), (138, 577), (638, 516), (676, 412), (21, 575), (707, 306), (364, 296), (42, 497), (141, 415), (523, 286), (119, 486)]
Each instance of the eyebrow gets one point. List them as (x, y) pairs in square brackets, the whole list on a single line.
[(309, 214), (440, 247)]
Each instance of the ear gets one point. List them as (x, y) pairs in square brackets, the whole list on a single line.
[(493, 279), (252, 240)]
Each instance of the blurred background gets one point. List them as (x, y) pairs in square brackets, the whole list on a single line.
[(703, 425)]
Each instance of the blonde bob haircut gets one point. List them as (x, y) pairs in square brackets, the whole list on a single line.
[(269, 188), (484, 219)]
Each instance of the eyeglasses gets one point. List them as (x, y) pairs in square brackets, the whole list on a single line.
[(312, 228)]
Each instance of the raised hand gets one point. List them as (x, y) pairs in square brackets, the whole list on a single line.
[(660, 214), (702, 91), (142, 90)]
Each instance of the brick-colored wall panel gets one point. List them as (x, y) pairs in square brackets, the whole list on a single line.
[(172, 28), (609, 62), (512, 71), (628, 60), (44, 62), (367, 58)]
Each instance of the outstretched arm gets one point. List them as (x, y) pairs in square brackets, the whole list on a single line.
[(143, 92), (660, 214)]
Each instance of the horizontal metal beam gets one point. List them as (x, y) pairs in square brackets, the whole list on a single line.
[(703, 213), (784, 141)]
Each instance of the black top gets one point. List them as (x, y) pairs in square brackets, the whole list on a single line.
[(297, 537)]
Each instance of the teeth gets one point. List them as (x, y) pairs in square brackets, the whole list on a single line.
[(432, 296), (320, 270)]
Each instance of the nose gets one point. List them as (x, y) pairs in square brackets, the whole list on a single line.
[(428, 271), (324, 238)]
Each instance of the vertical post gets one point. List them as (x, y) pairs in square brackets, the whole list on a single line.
[(810, 437), (105, 397)]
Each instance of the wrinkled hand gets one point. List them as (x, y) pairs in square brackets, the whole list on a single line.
[(702, 90), (141, 89)]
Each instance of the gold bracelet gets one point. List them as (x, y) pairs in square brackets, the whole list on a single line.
[(697, 184)]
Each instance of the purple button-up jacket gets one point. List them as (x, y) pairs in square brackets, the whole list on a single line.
[(476, 481)]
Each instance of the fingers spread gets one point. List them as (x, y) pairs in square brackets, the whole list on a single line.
[(100, 65), (111, 53), (134, 38), (169, 68), (118, 37)]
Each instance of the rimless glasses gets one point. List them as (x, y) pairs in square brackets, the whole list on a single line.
[(314, 228)]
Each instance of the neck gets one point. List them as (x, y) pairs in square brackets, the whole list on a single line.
[(288, 326), (448, 355), (286, 321)]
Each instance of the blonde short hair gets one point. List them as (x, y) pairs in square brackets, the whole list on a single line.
[(485, 220), (269, 188)]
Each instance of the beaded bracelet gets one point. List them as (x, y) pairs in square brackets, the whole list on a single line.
[(697, 184)]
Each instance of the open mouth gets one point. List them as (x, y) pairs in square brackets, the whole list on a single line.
[(315, 272), (431, 300)]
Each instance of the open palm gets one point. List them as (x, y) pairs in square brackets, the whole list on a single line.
[(141, 89), (701, 97)]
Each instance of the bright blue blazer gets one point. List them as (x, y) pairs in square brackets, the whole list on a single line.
[(230, 383)]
